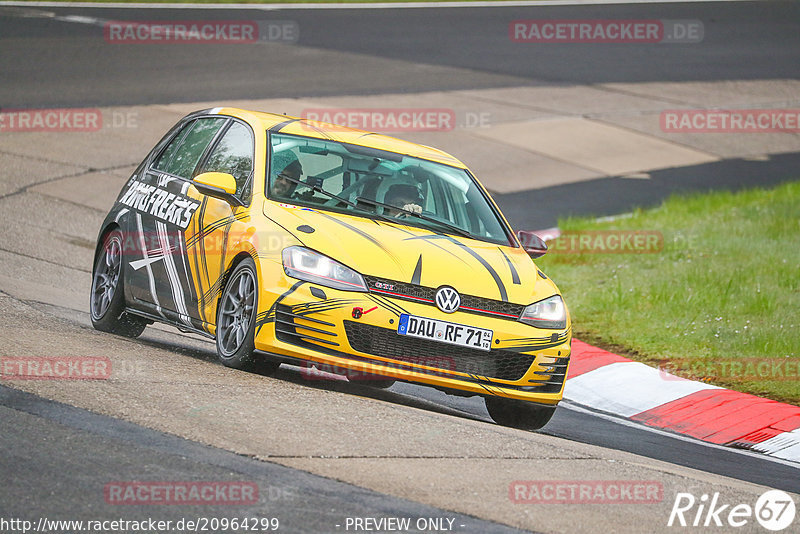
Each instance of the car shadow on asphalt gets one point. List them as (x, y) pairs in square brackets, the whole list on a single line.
[(202, 349), (302, 376)]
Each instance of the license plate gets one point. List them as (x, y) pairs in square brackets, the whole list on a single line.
[(444, 331)]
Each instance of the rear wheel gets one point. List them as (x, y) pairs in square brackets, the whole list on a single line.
[(518, 414), (236, 322), (107, 298)]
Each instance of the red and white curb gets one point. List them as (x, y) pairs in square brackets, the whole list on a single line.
[(610, 383)]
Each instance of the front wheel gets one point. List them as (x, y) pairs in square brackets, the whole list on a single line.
[(107, 302), (518, 414), (236, 321)]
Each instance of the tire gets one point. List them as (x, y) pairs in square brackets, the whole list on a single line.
[(107, 294), (518, 414), (236, 322)]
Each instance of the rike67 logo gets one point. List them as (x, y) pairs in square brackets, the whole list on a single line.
[(774, 510)]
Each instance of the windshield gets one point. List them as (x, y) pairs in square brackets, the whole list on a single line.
[(374, 183)]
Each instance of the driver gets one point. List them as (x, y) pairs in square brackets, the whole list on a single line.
[(285, 165), (405, 196)]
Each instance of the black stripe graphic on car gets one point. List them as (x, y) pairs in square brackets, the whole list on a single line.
[(320, 131), (362, 234), (200, 293), (325, 302), (202, 254), (207, 229), (281, 125), (269, 315), (187, 271), (215, 289), (176, 284), (547, 339), (320, 309), (497, 280), (415, 278), (224, 249), (389, 303), (529, 347), (314, 306), (514, 274), (386, 303), (430, 239), (486, 265)]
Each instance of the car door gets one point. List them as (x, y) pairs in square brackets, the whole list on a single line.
[(217, 226), (164, 204)]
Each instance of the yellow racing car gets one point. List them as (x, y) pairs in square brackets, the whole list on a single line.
[(293, 241)]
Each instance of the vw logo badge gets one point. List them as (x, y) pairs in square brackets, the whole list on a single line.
[(447, 299)]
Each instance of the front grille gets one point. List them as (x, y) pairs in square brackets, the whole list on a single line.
[(425, 295), (500, 364)]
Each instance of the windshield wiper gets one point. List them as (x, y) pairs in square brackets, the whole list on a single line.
[(318, 188), (455, 229)]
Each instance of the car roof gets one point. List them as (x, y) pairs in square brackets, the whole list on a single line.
[(332, 132)]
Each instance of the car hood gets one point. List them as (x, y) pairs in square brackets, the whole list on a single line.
[(410, 254)]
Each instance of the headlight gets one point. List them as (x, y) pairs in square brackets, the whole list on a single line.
[(305, 264), (547, 313)]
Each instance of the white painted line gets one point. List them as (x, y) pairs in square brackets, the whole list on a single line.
[(627, 422), (377, 5), (549, 234), (629, 388), (612, 218), (79, 19)]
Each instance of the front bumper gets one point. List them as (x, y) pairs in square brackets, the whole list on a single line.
[(318, 325)]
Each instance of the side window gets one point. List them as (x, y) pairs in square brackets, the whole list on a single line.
[(182, 154), (234, 155)]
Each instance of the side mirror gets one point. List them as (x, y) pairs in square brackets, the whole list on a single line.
[(532, 244), (219, 185)]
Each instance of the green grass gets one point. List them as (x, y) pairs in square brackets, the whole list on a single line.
[(724, 291)]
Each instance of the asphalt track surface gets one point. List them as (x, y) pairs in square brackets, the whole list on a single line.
[(77, 438), (52, 63), (48, 63)]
